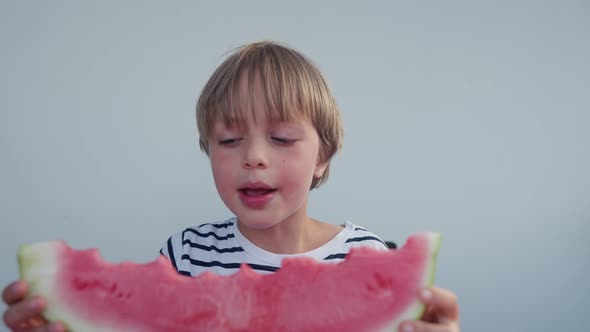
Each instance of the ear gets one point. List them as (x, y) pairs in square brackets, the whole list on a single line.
[(320, 168)]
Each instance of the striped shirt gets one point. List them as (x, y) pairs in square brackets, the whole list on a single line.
[(220, 248)]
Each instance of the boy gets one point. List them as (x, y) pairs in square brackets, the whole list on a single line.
[(270, 126)]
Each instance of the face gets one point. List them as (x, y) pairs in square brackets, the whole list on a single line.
[(263, 169)]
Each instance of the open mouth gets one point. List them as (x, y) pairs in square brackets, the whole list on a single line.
[(256, 191), (256, 195)]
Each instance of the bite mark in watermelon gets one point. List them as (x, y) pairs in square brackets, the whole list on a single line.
[(369, 291)]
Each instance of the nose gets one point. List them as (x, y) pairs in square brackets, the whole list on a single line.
[(255, 156)]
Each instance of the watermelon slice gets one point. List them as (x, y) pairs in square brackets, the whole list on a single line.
[(369, 291)]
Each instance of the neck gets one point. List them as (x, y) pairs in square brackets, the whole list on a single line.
[(292, 236)]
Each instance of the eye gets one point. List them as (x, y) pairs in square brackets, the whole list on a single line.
[(283, 141), (229, 141)]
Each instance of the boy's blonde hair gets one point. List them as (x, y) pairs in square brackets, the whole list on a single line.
[(292, 85)]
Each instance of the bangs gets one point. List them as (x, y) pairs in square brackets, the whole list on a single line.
[(254, 81)]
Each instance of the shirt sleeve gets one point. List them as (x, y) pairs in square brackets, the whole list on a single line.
[(172, 249)]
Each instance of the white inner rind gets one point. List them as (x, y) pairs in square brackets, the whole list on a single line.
[(416, 309), (38, 266)]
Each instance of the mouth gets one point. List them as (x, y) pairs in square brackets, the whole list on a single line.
[(256, 189), (256, 195)]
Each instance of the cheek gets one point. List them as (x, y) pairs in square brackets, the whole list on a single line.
[(298, 171), (216, 166), (220, 167), (221, 158)]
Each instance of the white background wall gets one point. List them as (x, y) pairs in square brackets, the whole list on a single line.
[(467, 118)]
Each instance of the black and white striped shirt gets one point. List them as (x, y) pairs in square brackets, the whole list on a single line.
[(220, 248)]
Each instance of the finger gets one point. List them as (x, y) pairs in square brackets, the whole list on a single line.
[(418, 326), (54, 327), (31, 324), (442, 301), (43, 328), (28, 326), (14, 292), (23, 311), (36, 323), (430, 315), (57, 327)]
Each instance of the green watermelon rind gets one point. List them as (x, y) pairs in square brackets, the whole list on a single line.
[(38, 264), (416, 310)]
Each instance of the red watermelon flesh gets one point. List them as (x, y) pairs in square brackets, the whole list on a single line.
[(370, 291)]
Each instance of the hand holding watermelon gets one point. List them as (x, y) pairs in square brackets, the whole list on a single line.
[(25, 314), (441, 314)]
